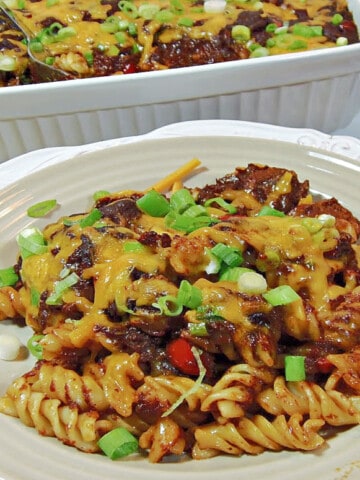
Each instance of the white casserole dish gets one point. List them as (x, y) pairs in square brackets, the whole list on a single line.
[(317, 89)]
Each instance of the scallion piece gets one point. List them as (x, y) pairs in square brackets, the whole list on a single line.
[(118, 443), (252, 283), (241, 33), (153, 204), (295, 368), (188, 295), (34, 346), (169, 306), (7, 63), (282, 295), (195, 211), (91, 218), (128, 8), (60, 288), (337, 19), (31, 242), (186, 22), (185, 223), (181, 200), (34, 297), (233, 274), (222, 203), (266, 210), (8, 277), (100, 194), (148, 10), (133, 246), (229, 255), (198, 329), (41, 209), (307, 31)]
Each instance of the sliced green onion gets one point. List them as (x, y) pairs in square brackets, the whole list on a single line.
[(241, 33), (194, 388), (34, 297), (169, 306), (100, 194), (341, 41), (282, 295), (229, 255), (307, 31), (297, 45), (7, 63), (198, 329), (8, 277), (91, 218), (89, 57), (164, 16), (187, 224), (270, 211), (65, 32), (60, 288), (132, 29), (181, 200), (41, 209), (154, 204), (259, 52), (337, 19), (128, 8), (233, 274), (271, 27), (121, 37), (34, 346), (222, 203), (133, 246), (188, 295), (176, 6), (208, 313), (148, 10), (252, 283), (118, 443), (35, 45), (31, 242), (295, 368), (186, 22), (195, 211)]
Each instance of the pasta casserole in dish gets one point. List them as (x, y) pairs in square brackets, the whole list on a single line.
[(110, 37)]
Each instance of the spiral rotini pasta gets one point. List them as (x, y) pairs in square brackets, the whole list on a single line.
[(255, 435), (309, 399), (11, 305), (235, 391), (226, 322)]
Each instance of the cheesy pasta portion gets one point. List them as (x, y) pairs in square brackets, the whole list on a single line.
[(221, 319)]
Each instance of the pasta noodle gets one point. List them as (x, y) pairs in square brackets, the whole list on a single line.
[(221, 319)]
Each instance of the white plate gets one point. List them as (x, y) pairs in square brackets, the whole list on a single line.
[(71, 176)]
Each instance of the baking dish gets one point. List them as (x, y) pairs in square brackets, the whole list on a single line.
[(316, 89)]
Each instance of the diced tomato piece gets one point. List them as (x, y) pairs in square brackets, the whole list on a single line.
[(181, 356), (129, 68), (323, 365)]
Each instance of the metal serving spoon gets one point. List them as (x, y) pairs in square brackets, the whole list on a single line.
[(40, 71)]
